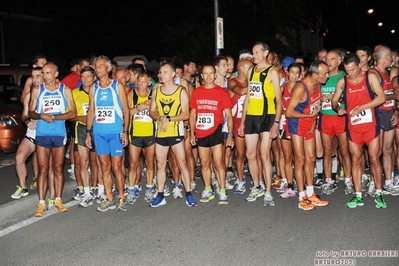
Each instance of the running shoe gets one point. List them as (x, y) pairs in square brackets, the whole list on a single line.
[(230, 175), (41, 209), (166, 191), (276, 182), (329, 188), (355, 201), (254, 194), (100, 198), (317, 201), (268, 200), (78, 194), (240, 188), (371, 190), (390, 190), (158, 201), (20, 192), (228, 185), (190, 201), (288, 193), (223, 199), (262, 184), (59, 206), (206, 196), (33, 185), (106, 205), (318, 183), (365, 182), (121, 205), (94, 192), (380, 201), (86, 201), (348, 188), (193, 185), (197, 174), (130, 199), (50, 203), (305, 204), (149, 194), (177, 192), (283, 186)]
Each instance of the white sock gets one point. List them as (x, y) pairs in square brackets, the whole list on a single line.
[(73, 168), (301, 195), (284, 180), (87, 190), (359, 194), (328, 180), (100, 189), (388, 182), (347, 180), (309, 191)]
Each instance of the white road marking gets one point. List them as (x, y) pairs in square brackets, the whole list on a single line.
[(32, 220)]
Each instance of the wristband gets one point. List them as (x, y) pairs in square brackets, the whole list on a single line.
[(124, 131), (27, 120), (168, 117), (231, 134), (277, 122), (89, 131)]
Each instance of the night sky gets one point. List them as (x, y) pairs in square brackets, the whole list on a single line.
[(186, 28)]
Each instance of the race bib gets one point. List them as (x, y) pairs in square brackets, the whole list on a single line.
[(205, 121), (240, 106), (313, 107), (362, 118), (255, 90), (85, 107), (52, 104), (326, 105), (105, 114), (143, 116), (283, 121)]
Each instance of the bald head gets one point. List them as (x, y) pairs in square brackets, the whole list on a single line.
[(243, 66)]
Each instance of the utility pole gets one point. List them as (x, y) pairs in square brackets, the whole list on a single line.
[(217, 51)]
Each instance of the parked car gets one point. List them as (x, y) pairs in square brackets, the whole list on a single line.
[(12, 129), (15, 74)]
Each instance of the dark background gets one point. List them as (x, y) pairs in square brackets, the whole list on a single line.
[(63, 30)]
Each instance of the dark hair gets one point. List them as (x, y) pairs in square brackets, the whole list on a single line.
[(136, 68), (208, 65), (295, 64), (36, 58), (88, 69), (37, 68), (217, 59), (351, 58), (365, 48), (170, 63)]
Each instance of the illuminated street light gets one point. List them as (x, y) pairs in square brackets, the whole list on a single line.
[(370, 11), (392, 31), (380, 24)]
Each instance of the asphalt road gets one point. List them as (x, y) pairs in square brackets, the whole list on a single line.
[(240, 233)]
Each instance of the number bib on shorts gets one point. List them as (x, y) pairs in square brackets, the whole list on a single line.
[(205, 121), (52, 103), (240, 106), (362, 118), (255, 90), (105, 114)]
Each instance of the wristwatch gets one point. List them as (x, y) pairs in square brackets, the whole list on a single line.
[(168, 117)]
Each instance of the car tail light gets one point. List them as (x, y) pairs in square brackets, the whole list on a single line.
[(8, 121)]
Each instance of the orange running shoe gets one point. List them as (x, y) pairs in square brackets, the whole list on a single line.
[(276, 181), (317, 201), (305, 204), (59, 206), (41, 209)]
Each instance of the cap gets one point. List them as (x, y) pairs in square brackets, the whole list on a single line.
[(287, 61), (245, 55)]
